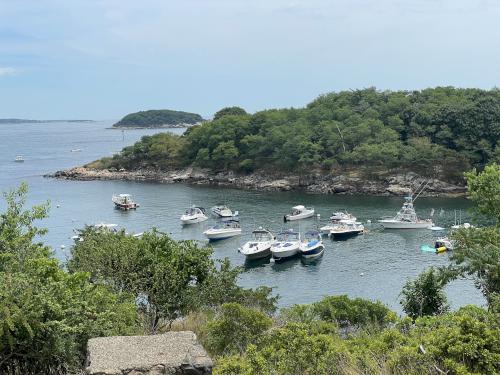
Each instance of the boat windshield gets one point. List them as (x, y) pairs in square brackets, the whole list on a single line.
[(287, 236), (262, 236)]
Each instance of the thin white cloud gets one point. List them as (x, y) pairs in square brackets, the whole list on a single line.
[(7, 71)]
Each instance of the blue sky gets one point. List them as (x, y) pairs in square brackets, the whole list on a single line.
[(101, 59)]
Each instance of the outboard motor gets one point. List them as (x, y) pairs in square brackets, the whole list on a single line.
[(284, 218)]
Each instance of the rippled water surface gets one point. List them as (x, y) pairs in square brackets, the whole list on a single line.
[(374, 265)]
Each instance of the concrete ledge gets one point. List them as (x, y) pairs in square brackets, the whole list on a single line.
[(170, 353)]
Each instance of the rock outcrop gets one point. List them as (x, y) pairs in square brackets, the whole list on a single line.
[(171, 353), (399, 184)]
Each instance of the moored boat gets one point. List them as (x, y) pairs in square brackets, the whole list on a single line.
[(124, 202), (193, 215), (286, 246), (443, 244), (260, 245), (406, 218), (312, 245), (299, 212), (346, 228), (19, 159), (223, 211), (342, 215), (223, 230)]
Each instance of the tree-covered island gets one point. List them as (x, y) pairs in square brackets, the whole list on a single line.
[(157, 118), (438, 132)]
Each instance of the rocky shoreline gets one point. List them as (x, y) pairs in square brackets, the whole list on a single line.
[(397, 185)]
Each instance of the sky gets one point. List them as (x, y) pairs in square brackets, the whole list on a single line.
[(102, 59)]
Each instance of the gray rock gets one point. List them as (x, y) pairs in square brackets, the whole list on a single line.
[(170, 353)]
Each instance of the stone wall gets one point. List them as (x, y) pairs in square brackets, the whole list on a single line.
[(173, 353)]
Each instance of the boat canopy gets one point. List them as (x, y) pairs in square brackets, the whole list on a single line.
[(312, 233), (299, 207), (124, 195)]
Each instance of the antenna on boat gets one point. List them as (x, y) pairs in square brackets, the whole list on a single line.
[(421, 190)]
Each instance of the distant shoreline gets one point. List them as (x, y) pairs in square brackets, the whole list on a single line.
[(342, 184), (174, 126), (26, 121)]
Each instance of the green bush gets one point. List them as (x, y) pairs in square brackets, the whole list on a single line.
[(235, 327), (353, 313)]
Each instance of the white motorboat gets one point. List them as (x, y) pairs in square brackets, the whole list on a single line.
[(334, 224), (406, 218), (346, 228), (225, 229), (260, 245), (342, 215), (312, 245), (124, 202), (105, 227), (194, 215), (286, 246), (19, 159), (299, 212), (223, 211), (76, 150)]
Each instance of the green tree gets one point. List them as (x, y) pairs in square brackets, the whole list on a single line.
[(168, 278), (46, 314), (230, 111), (424, 296), (484, 190)]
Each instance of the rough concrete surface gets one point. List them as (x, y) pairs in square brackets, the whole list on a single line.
[(171, 353)]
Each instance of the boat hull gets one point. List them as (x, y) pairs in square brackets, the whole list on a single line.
[(186, 220), (299, 217), (221, 235), (282, 252), (126, 206), (392, 224), (312, 252), (262, 252), (347, 234)]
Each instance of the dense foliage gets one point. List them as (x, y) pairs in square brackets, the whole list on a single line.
[(477, 250), (46, 314), (464, 342), (168, 278), (441, 131), (158, 117)]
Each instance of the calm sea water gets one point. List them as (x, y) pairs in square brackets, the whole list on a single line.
[(374, 265)]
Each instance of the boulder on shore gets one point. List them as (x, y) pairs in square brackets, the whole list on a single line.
[(170, 353)]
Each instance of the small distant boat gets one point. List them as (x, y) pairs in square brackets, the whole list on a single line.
[(299, 212), (260, 246), (458, 223), (312, 245), (346, 228), (76, 150), (19, 159), (223, 211), (342, 215), (226, 229), (406, 218), (286, 246), (124, 202), (194, 215)]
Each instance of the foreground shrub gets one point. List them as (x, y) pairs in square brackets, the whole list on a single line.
[(234, 328)]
